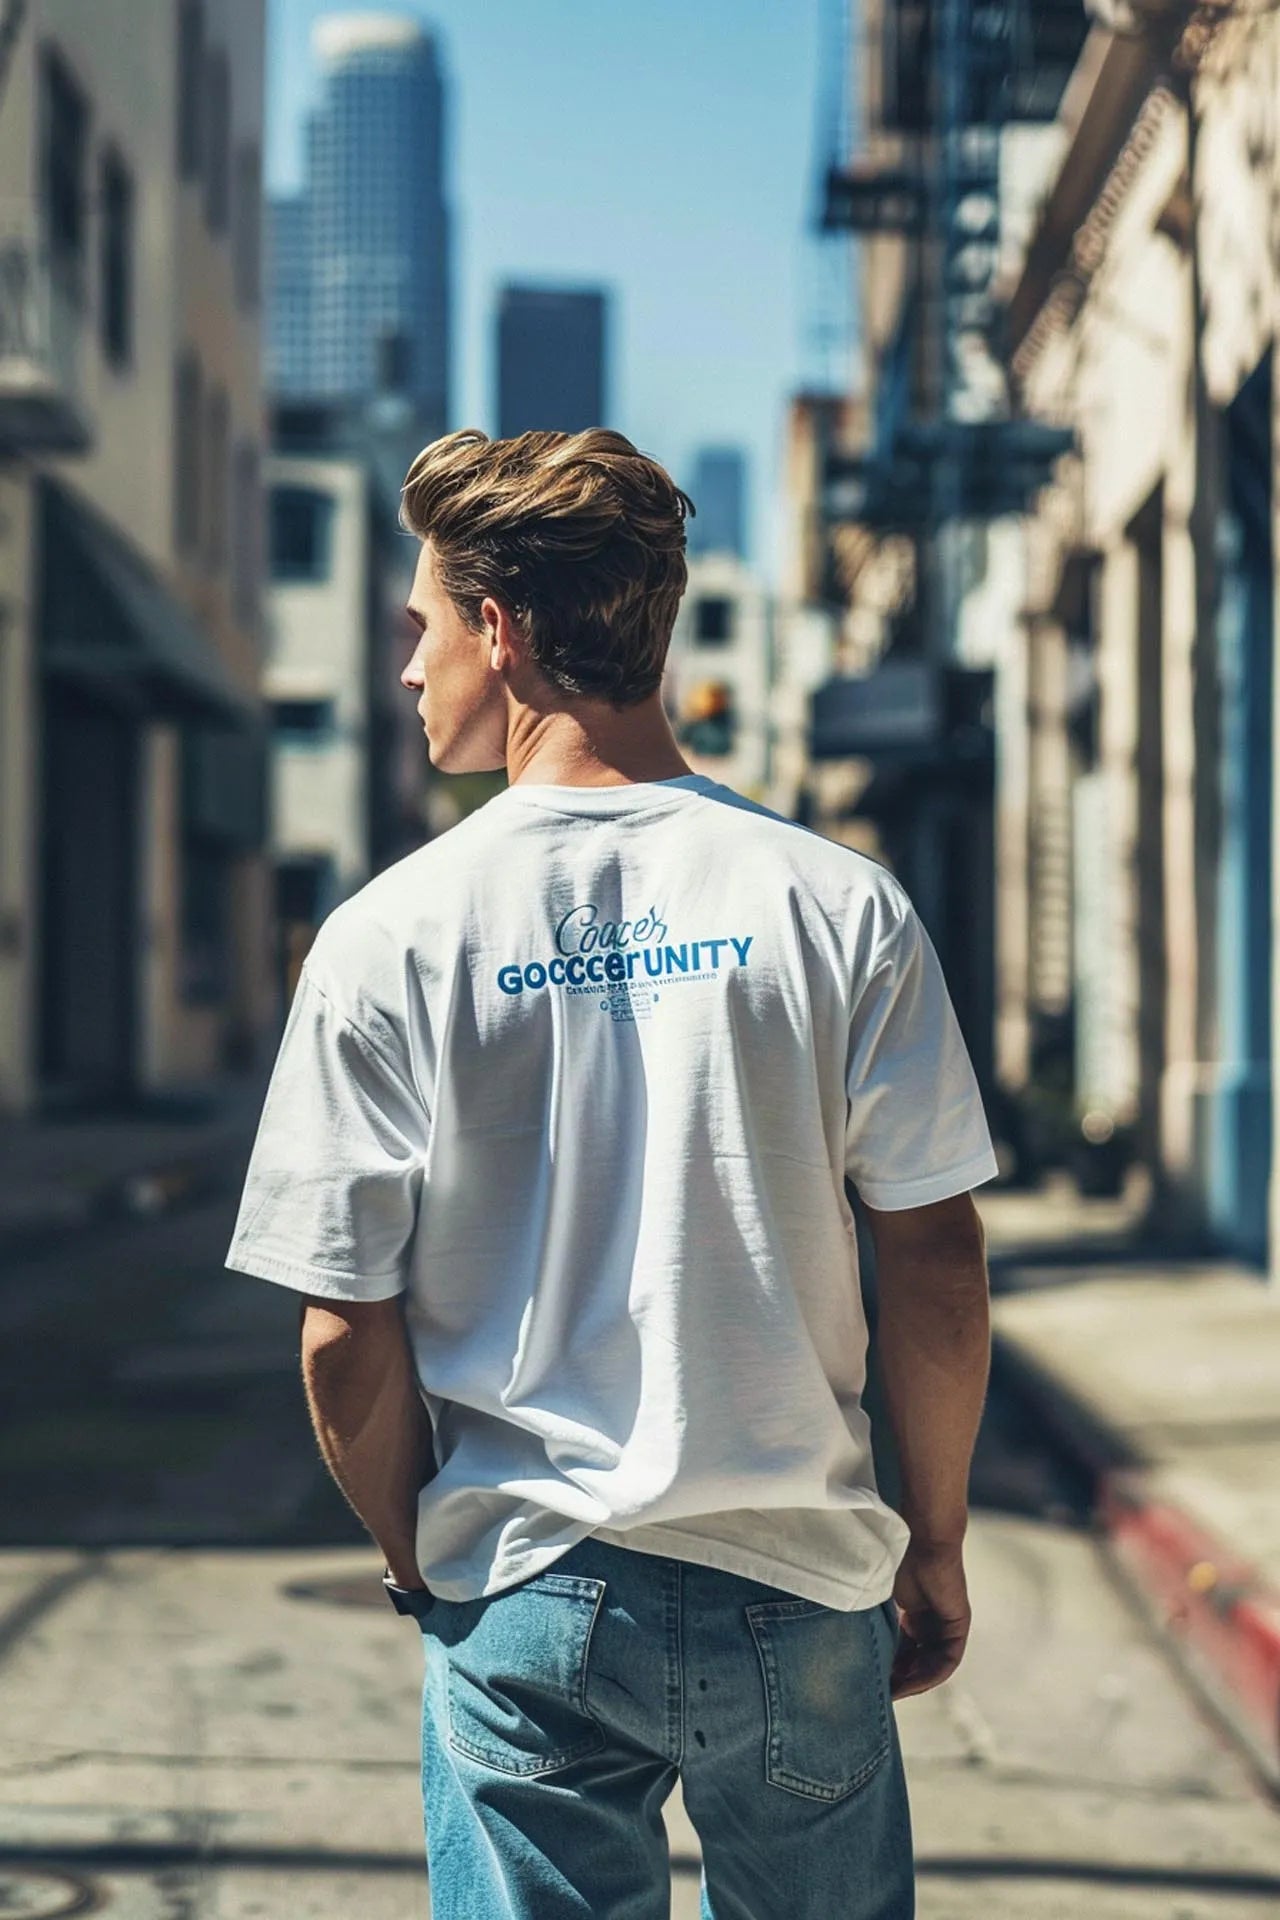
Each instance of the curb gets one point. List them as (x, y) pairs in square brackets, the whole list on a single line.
[(1209, 1607)]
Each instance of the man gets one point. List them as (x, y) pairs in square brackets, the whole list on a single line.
[(555, 1150)]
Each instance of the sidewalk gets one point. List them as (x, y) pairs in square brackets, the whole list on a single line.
[(1163, 1379), (60, 1175)]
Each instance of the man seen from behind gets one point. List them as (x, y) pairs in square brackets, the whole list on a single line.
[(555, 1152)]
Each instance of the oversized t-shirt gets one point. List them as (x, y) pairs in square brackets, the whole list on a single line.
[(583, 1079)]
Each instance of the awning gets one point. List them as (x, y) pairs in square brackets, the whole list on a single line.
[(109, 623)]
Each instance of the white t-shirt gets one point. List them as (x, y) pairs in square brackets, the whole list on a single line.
[(582, 1079)]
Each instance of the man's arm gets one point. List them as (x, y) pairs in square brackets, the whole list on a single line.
[(373, 1429), (934, 1344)]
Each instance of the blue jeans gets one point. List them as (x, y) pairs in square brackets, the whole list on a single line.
[(558, 1714)]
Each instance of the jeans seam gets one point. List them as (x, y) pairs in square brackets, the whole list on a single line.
[(673, 1659), (680, 1658)]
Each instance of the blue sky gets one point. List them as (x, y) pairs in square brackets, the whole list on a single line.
[(662, 149)]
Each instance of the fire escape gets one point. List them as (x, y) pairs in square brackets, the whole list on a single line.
[(954, 75), (945, 452)]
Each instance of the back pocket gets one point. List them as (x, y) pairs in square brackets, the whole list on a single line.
[(826, 1692), (517, 1673)]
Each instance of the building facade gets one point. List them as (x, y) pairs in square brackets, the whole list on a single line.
[(287, 365), (1144, 313), (925, 472), (719, 493), (720, 674), (322, 617), (1092, 542), (362, 256), (133, 896), (551, 360)]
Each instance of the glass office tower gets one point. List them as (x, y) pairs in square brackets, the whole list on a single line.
[(371, 226)]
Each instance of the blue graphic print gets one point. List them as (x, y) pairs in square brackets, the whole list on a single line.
[(618, 960)]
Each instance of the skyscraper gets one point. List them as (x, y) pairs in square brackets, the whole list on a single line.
[(551, 359), (288, 346), (364, 251), (719, 494)]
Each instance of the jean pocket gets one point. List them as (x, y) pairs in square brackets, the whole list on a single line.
[(517, 1674), (826, 1695)]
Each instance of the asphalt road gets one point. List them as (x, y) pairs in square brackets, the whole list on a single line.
[(152, 1398)]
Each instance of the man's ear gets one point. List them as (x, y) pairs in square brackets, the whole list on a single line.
[(506, 641)]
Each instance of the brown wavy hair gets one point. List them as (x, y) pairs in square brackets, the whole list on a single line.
[(579, 535)]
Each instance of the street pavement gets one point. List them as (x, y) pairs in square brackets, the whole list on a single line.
[(208, 1709), (65, 1174)]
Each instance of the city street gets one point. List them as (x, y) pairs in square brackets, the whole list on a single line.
[(822, 460), (192, 1732)]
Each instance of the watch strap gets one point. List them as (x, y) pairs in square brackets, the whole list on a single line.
[(411, 1600)]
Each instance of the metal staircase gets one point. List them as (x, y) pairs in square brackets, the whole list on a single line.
[(954, 75)]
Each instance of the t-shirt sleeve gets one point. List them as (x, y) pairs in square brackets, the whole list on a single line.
[(331, 1194), (916, 1129)]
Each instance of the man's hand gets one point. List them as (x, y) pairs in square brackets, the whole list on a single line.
[(934, 1603)]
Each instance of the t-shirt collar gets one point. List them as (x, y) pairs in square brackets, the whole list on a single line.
[(632, 796)]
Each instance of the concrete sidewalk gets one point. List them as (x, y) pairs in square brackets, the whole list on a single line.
[(59, 1175), (1164, 1381)]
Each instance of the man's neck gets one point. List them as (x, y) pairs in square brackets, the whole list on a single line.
[(594, 745)]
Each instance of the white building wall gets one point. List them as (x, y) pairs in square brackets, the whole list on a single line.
[(129, 79), (805, 642), (743, 663), (317, 649)]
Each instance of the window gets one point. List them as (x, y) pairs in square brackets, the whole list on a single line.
[(305, 889), (712, 620), (301, 533), (190, 87), (217, 140), (218, 453), (303, 722), (116, 317), (246, 553), (65, 158), (247, 213), (187, 401)]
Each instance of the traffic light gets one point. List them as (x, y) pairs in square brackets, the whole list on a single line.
[(707, 719)]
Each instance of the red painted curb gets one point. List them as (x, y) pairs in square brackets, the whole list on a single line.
[(1208, 1600)]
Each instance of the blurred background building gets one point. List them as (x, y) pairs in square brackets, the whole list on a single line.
[(133, 901), (358, 371), (922, 480), (552, 368), (720, 677), (363, 252), (719, 492), (349, 775), (1142, 313), (1041, 523), (316, 680)]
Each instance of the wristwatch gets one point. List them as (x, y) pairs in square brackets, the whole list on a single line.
[(415, 1600)]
